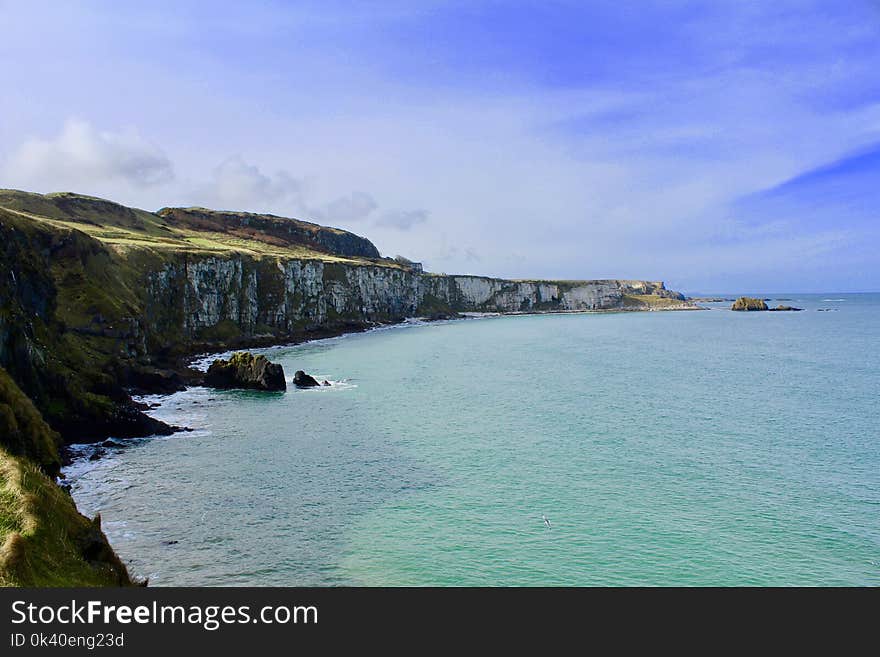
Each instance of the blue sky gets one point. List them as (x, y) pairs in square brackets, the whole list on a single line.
[(720, 146)]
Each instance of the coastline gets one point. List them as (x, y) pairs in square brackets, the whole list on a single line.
[(77, 455), (196, 361), (242, 410), (108, 303)]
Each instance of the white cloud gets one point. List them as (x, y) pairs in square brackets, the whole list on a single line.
[(80, 156)]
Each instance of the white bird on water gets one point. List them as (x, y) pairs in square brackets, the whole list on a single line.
[(546, 522)]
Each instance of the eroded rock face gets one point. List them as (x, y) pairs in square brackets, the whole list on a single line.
[(303, 380), (244, 370), (236, 296)]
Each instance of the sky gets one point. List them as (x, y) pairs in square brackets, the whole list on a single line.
[(718, 146)]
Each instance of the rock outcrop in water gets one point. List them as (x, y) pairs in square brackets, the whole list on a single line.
[(752, 304), (303, 380), (748, 304), (246, 371)]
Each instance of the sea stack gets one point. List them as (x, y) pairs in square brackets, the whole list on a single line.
[(748, 304), (244, 370)]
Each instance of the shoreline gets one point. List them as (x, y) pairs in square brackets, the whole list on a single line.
[(192, 363), (195, 363)]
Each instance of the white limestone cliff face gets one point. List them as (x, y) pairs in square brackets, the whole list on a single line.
[(269, 296)]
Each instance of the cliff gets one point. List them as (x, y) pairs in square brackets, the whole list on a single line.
[(97, 298)]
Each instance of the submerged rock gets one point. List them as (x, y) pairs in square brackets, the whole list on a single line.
[(303, 380), (748, 304), (781, 308), (244, 370)]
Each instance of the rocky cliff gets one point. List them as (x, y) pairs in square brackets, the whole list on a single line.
[(280, 296), (97, 298)]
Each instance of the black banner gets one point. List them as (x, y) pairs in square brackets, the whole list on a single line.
[(129, 621)]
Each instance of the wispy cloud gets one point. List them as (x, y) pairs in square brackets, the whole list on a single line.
[(403, 219), (348, 209), (236, 185)]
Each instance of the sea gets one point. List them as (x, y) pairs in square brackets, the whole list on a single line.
[(690, 448)]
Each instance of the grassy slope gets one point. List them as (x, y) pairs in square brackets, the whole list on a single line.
[(126, 229), (22, 429), (44, 540)]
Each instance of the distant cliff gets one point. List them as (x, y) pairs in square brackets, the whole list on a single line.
[(251, 297)]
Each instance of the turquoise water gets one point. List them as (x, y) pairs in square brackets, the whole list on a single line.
[(692, 448)]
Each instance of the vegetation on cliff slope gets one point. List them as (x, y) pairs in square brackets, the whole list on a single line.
[(192, 230), (653, 302), (68, 329), (22, 429), (44, 541)]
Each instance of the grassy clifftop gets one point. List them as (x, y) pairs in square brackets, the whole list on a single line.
[(192, 230)]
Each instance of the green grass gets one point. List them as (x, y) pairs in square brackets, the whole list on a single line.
[(22, 429), (126, 229), (44, 540)]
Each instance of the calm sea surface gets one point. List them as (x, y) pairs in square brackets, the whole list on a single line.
[(692, 448)]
